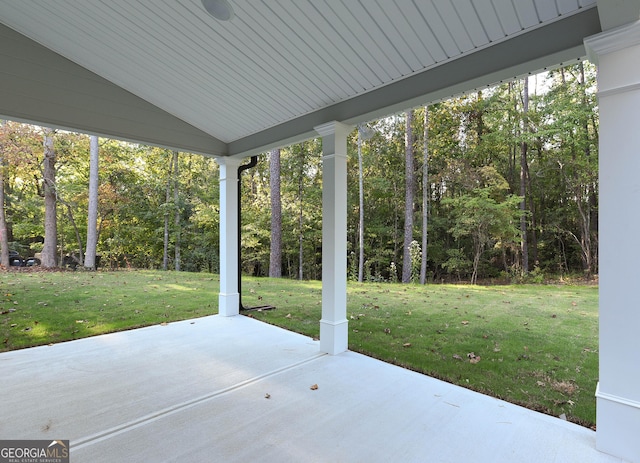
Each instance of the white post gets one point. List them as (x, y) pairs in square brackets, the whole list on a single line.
[(229, 298), (334, 325), (617, 54)]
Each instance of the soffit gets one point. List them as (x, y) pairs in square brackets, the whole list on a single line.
[(280, 66)]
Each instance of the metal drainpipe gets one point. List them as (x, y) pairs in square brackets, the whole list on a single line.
[(242, 168)]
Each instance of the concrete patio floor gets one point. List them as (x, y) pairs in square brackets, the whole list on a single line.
[(236, 389)]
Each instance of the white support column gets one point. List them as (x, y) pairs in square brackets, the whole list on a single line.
[(229, 298), (617, 54), (334, 325)]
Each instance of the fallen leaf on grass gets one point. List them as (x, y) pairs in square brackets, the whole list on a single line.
[(314, 387), (465, 322), (473, 358), (564, 387), (406, 344), (287, 316), (457, 357)]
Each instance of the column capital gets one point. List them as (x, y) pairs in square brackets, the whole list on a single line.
[(612, 40), (229, 161), (334, 138), (330, 128)]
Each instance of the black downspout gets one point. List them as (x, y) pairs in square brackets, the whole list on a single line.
[(242, 168)]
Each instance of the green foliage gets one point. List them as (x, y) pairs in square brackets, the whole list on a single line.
[(457, 263), (473, 191), (416, 255), (485, 215)]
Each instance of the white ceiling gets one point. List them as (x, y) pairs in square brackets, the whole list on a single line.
[(275, 70)]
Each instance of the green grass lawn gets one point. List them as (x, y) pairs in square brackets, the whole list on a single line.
[(47, 307), (532, 345)]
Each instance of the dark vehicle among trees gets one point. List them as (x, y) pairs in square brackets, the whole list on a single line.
[(16, 260)]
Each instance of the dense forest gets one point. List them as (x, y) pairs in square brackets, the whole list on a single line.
[(498, 183)]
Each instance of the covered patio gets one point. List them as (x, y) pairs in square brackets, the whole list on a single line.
[(264, 75), (236, 389)]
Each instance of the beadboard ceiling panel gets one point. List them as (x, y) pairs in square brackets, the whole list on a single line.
[(279, 64)]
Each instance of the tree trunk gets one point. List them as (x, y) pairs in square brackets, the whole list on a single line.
[(176, 205), (478, 249), (79, 258), (167, 197), (410, 185), (50, 202), (92, 213), (361, 211), (425, 197), (591, 219), (300, 224), (533, 242), (523, 179), (275, 257), (4, 237)]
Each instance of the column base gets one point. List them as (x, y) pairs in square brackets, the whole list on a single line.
[(618, 421), (334, 336), (228, 304)]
